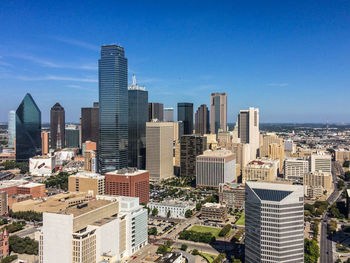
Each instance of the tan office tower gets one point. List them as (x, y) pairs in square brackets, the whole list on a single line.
[(218, 112), (266, 140), (276, 151), (45, 142), (159, 150), (248, 129)]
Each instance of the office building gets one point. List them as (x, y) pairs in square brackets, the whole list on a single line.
[(28, 129), (190, 147), (90, 161), (72, 136), (258, 170), (113, 109), (212, 143), (159, 150), (342, 155), (218, 112), (175, 209), (45, 135), (3, 203), (276, 152), (112, 228), (248, 130), (155, 111), (57, 126), (224, 138), (215, 167), (318, 179), (274, 223), (169, 114), (233, 195), (202, 120), (321, 161), (178, 130), (214, 212), (138, 116), (266, 140), (11, 129), (89, 123), (86, 182), (295, 168), (289, 146), (185, 114), (42, 165), (313, 191), (128, 182)]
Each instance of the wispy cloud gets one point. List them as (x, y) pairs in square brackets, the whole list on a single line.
[(277, 84), (78, 87), (149, 80), (50, 77), (77, 43)]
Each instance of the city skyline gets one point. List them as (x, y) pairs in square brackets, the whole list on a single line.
[(256, 58)]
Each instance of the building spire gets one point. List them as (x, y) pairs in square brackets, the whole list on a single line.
[(133, 80)]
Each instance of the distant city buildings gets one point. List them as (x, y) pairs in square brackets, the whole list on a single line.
[(155, 111), (28, 129), (185, 114), (169, 114), (57, 126), (218, 112), (202, 120), (274, 223), (113, 109), (11, 129)]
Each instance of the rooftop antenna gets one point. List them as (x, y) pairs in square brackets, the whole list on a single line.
[(133, 80)]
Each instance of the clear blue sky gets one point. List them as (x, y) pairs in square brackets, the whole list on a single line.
[(289, 58)]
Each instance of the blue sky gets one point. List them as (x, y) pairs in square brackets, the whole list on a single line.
[(289, 58)]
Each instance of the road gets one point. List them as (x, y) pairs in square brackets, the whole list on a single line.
[(26, 232)]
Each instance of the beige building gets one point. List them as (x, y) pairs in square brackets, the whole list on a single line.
[(224, 137), (314, 191), (276, 152), (218, 108), (90, 161), (3, 203), (266, 140), (342, 155), (159, 150), (258, 171), (178, 130), (319, 179), (212, 143), (85, 182), (233, 195), (214, 212)]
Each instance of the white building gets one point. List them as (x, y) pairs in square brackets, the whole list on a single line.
[(215, 167), (289, 145), (168, 114), (295, 168), (321, 161), (42, 165), (177, 209), (274, 223), (64, 155), (113, 227)]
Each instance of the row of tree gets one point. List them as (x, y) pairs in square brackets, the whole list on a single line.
[(15, 226), (24, 245), (9, 165), (58, 181), (27, 215), (197, 236)]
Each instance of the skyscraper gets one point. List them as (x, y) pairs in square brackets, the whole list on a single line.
[(45, 142), (218, 112), (274, 223), (138, 116), (168, 114), (248, 129), (28, 129), (113, 111), (155, 111), (89, 123), (202, 120), (185, 114), (11, 129), (72, 136), (57, 126)]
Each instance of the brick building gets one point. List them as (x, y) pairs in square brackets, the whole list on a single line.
[(4, 244)]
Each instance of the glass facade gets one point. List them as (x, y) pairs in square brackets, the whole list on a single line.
[(72, 138), (28, 129), (11, 129), (185, 114), (138, 116), (57, 126), (113, 109)]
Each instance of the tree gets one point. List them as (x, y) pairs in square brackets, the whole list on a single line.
[(235, 260), (153, 231), (340, 184), (9, 259), (195, 252), (225, 230), (24, 245), (188, 213), (312, 251), (168, 214), (162, 249), (167, 243), (198, 206), (154, 211), (184, 247)]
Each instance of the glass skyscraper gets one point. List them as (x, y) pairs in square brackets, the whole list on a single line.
[(138, 116), (185, 114), (57, 126), (28, 129), (113, 109), (11, 129)]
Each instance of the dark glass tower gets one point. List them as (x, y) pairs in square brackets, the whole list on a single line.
[(28, 129), (57, 127), (138, 116), (89, 123), (185, 114), (155, 111), (202, 120), (113, 111)]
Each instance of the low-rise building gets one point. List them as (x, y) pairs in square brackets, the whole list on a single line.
[(314, 191), (233, 195), (342, 155), (42, 165), (214, 212), (91, 183), (177, 209), (295, 168), (259, 170), (314, 179), (36, 190), (171, 257)]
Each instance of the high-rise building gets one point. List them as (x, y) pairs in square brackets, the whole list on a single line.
[(276, 152), (295, 168), (169, 114), (202, 120), (155, 111), (128, 182), (178, 130), (113, 109), (159, 150), (190, 147), (89, 123), (185, 114), (218, 112), (274, 222), (108, 229), (321, 162), (72, 136), (248, 129), (28, 129), (11, 129), (57, 127), (268, 139), (86, 182), (314, 179), (138, 116), (45, 142), (215, 167)]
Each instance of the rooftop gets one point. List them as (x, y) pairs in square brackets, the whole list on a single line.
[(85, 207), (30, 185), (88, 175), (213, 205), (127, 172), (217, 153), (10, 183)]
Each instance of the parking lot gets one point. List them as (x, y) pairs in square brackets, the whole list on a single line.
[(162, 226)]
